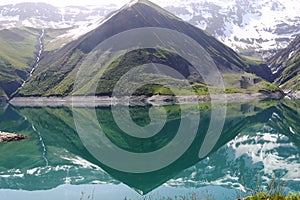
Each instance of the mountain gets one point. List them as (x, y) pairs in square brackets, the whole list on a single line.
[(20, 52), (43, 15), (18, 47), (57, 70), (286, 64), (64, 23), (252, 27), (256, 27)]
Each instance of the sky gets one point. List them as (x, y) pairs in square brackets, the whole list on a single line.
[(76, 2), (68, 2)]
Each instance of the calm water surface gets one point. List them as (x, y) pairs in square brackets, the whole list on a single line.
[(259, 142)]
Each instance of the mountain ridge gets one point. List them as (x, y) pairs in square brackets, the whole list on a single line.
[(244, 26), (17, 56), (287, 65)]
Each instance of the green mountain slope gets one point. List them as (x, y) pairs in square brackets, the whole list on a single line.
[(288, 63), (58, 69), (17, 56)]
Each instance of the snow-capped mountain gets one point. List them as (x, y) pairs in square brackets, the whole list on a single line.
[(43, 15), (245, 25), (252, 27)]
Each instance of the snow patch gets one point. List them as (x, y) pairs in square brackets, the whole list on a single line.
[(291, 54), (14, 175), (9, 18), (80, 161), (185, 17), (292, 131), (264, 151)]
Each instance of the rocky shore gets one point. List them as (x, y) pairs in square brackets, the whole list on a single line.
[(9, 137)]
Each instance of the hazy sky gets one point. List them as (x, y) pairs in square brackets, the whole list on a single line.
[(76, 2), (68, 2)]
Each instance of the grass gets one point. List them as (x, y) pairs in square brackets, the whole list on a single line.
[(17, 47), (210, 196), (53, 41), (247, 83), (234, 83), (275, 191), (2, 93), (55, 81), (192, 196), (266, 86), (293, 84), (200, 89), (58, 79), (253, 60), (290, 77), (17, 56), (276, 196)]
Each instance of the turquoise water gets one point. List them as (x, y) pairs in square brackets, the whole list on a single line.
[(112, 192), (259, 142)]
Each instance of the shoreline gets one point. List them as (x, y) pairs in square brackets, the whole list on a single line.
[(156, 100)]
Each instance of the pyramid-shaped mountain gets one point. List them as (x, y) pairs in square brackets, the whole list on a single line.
[(57, 70)]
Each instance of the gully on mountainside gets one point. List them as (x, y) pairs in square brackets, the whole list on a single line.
[(39, 53)]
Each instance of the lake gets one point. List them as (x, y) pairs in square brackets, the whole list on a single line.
[(219, 152)]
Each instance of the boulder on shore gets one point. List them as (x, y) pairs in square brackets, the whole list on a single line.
[(8, 137)]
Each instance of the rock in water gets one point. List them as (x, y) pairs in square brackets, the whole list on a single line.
[(8, 137)]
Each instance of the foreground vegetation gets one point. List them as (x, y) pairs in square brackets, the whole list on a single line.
[(275, 191), (259, 196), (276, 196)]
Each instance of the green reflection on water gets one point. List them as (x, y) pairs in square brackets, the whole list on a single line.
[(54, 154)]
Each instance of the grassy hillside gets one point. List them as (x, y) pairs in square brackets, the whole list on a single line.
[(290, 77), (287, 63), (17, 55), (59, 81), (52, 39), (54, 80), (17, 46)]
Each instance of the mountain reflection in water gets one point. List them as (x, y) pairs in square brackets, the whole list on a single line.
[(259, 139)]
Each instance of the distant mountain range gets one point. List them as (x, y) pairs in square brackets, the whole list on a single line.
[(43, 15), (255, 27), (248, 26), (59, 41)]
